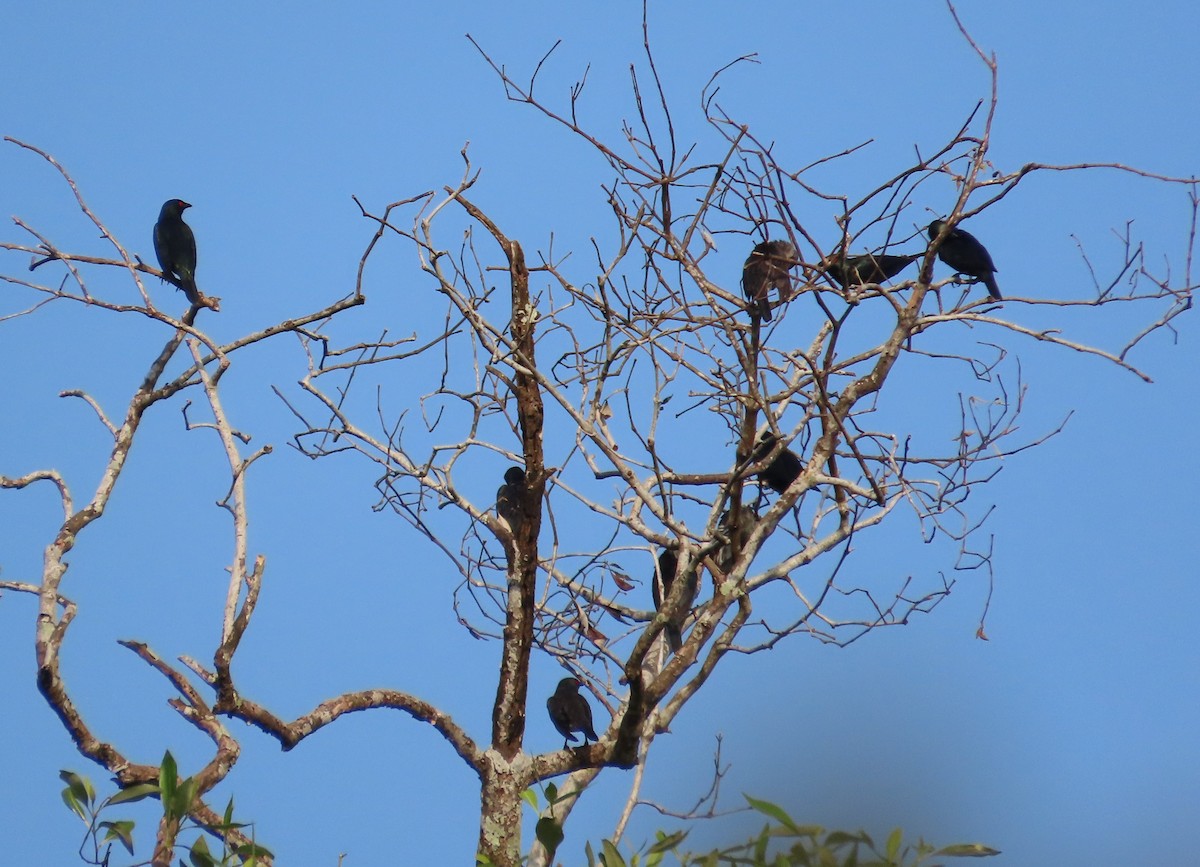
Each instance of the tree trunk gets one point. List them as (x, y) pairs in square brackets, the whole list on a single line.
[(500, 813)]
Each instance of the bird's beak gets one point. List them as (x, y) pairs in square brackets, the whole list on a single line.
[(183, 206)]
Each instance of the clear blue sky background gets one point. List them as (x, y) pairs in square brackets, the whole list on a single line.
[(1069, 738)]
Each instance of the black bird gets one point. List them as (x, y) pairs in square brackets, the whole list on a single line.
[(508, 497), (570, 712), (660, 588), (867, 268), (175, 246), (767, 269), (962, 251), (737, 533), (782, 471)]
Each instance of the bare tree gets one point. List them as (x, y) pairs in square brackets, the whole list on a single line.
[(649, 413)]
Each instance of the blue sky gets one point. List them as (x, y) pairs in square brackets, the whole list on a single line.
[(1068, 738)]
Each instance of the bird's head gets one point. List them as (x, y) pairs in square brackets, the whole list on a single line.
[(569, 684), (935, 228), (173, 207), (514, 476), (780, 250)]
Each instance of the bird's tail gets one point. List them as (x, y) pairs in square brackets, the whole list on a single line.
[(993, 288), (760, 308), (674, 636)]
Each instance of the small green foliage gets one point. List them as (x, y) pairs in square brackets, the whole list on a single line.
[(663, 844), (168, 776), (121, 831), (967, 850), (783, 842), (771, 811), (529, 796), (178, 797), (199, 856), (550, 835), (609, 856), (251, 852), (78, 795), (133, 793)]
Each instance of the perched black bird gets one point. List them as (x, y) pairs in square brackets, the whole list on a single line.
[(175, 246), (508, 497), (867, 268), (737, 534), (570, 712), (660, 588), (782, 471), (962, 251), (767, 269)]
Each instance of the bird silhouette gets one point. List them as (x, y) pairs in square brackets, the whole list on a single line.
[(962, 251), (570, 712), (781, 472), (508, 497), (175, 247), (867, 268), (660, 589), (766, 269)]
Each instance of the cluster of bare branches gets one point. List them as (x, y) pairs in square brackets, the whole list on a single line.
[(646, 351), (644, 405)]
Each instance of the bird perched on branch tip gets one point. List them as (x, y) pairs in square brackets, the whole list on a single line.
[(175, 247), (962, 251)]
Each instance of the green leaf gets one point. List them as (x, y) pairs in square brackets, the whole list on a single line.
[(80, 786), (610, 857), (666, 842), (482, 860), (168, 780), (185, 796), (967, 850), (760, 848), (529, 796), (551, 794), (199, 856), (770, 810), (73, 804), (252, 850), (549, 834), (122, 831), (133, 793), (893, 844), (228, 817), (844, 838)]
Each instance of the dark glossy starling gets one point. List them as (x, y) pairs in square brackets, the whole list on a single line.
[(767, 269), (175, 246), (570, 712), (747, 522), (962, 251), (508, 497), (868, 268), (660, 588), (782, 471)]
